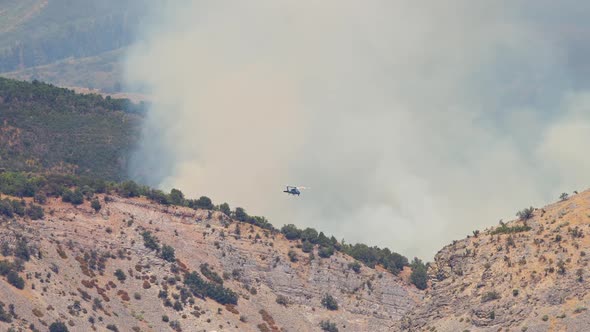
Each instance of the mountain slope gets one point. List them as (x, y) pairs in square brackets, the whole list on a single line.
[(101, 71), (34, 33), (48, 128), (512, 277), (76, 251)]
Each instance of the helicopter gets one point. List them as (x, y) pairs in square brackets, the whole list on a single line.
[(293, 190)]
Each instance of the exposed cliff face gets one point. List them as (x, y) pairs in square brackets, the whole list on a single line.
[(75, 253), (532, 280)]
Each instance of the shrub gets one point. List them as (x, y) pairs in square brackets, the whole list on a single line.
[(372, 256), (282, 300), (40, 198), (326, 252), (291, 232), (241, 214), (203, 202), (292, 256), (310, 235), (95, 204), (329, 302), (22, 250), (327, 326), (165, 319), (6, 208), (307, 247), (74, 197), (225, 209), (525, 214), (168, 253), (563, 196), (149, 241), (210, 274), (120, 275), (4, 316), (129, 189), (58, 327), (504, 229), (176, 197), (35, 212), (355, 266), (490, 296), (217, 292), (112, 327)]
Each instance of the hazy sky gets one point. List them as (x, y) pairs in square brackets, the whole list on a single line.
[(413, 122)]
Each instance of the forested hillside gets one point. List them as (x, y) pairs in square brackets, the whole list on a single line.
[(34, 33), (44, 127)]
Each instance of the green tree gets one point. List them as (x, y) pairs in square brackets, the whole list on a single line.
[(225, 209), (419, 276), (15, 280), (326, 252), (168, 253), (176, 197), (241, 214), (291, 232), (129, 189), (309, 234), (74, 197), (149, 241)]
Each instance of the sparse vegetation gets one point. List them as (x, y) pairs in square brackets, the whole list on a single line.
[(210, 274), (149, 241), (329, 302), (505, 229), (217, 292), (328, 326)]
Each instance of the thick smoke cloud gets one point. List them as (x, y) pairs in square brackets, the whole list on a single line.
[(413, 123)]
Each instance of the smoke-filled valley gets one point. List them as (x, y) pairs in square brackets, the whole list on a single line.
[(413, 124)]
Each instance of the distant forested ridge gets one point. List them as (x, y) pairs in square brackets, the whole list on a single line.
[(46, 128), (34, 33)]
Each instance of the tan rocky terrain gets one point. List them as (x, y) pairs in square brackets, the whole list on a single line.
[(529, 274), (76, 251), (511, 278)]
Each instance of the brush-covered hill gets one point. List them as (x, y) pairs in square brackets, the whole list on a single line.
[(43, 127), (529, 274), (121, 257)]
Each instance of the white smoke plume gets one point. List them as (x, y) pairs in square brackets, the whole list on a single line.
[(414, 122)]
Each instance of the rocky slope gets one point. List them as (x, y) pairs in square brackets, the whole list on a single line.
[(512, 278), (75, 252)]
